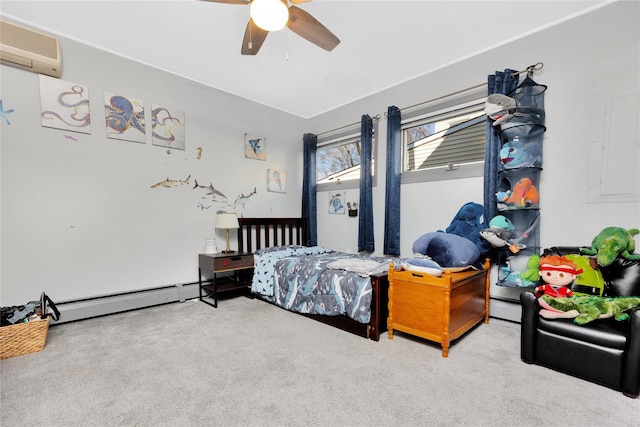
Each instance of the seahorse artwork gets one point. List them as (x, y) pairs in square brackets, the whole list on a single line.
[(4, 114), (167, 127), (199, 155), (169, 183), (242, 199), (64, 105), (124, 118)]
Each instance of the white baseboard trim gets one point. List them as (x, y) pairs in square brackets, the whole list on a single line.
[(111, 304), (506, 310)]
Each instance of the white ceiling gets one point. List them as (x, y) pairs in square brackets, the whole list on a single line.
[(383, 43)]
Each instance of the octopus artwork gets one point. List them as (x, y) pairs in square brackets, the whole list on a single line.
[(167, 127), (124, 118), (64, 105)]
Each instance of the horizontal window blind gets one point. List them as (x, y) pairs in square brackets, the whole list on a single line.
[(462, 143), (445, 138)]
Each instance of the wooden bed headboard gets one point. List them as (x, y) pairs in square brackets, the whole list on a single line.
[(256, 233)]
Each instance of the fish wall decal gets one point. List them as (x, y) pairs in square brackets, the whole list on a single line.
[(212, 190), (168, 183), (242, 199)]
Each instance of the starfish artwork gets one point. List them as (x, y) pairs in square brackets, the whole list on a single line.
[(4, 114)]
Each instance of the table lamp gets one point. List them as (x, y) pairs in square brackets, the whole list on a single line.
[(227, 221)]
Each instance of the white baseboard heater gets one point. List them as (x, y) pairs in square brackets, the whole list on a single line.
[(110, 304), (505, 310)]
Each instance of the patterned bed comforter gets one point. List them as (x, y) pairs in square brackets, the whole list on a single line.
[(317, 280)]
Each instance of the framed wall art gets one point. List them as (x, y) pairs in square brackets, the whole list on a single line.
[(255, 147), (64, 105), (337, 202), (167, 127), (276, 181), (124, 117)]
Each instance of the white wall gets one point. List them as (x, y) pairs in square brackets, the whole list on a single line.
[(576, 54), (79, 218)]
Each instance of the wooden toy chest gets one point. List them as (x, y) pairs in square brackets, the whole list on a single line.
[(439, 309)]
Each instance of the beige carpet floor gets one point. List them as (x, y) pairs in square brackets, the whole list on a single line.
[(249, 363)]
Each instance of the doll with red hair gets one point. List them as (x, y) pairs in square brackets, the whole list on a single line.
[(558, 273)]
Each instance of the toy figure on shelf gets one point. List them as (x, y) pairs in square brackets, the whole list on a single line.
[(513, 154), (499, 234), (524, 194), (503, 196), (498, 106)]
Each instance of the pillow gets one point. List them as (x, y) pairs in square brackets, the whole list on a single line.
[(269, 249), (448, 250), (294, 250), (423, 265)]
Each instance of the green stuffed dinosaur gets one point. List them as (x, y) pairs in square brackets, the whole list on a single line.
[(532, 273), (586, 308), (611, 242)]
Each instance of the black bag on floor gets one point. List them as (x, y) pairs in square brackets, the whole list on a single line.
[(18, 313)]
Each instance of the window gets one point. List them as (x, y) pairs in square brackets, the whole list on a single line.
[(338, 161), (446, 142)]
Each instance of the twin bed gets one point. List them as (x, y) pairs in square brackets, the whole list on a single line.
[(325, 286), (343, 290)]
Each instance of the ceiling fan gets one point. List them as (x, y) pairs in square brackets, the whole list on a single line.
[(298, 21)]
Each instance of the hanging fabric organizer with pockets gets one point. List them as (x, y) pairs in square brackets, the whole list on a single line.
[(520, 165)]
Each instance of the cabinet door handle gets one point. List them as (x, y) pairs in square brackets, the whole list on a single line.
[(235, 258)]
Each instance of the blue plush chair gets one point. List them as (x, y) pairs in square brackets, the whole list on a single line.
[(604, 351)]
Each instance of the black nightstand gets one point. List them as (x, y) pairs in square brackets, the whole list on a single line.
[(238, 263)]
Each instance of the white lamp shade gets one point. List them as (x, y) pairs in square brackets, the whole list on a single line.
[(270, 15), (227, 221)]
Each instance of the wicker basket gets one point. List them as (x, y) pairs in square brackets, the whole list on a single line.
[(23, 338)]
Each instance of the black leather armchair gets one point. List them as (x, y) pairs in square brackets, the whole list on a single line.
[(604, 351)]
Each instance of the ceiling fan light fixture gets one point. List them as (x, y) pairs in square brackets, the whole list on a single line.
[(270, 15)]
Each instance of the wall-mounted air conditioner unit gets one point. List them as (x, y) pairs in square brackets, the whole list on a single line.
[(29, 50)]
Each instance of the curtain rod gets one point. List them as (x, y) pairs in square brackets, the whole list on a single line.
[(376, 117), (529, 70), (443, 96)]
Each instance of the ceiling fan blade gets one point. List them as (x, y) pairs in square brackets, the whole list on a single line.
[(253, 38), (229, 1), (299, 1), (308, 27)]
